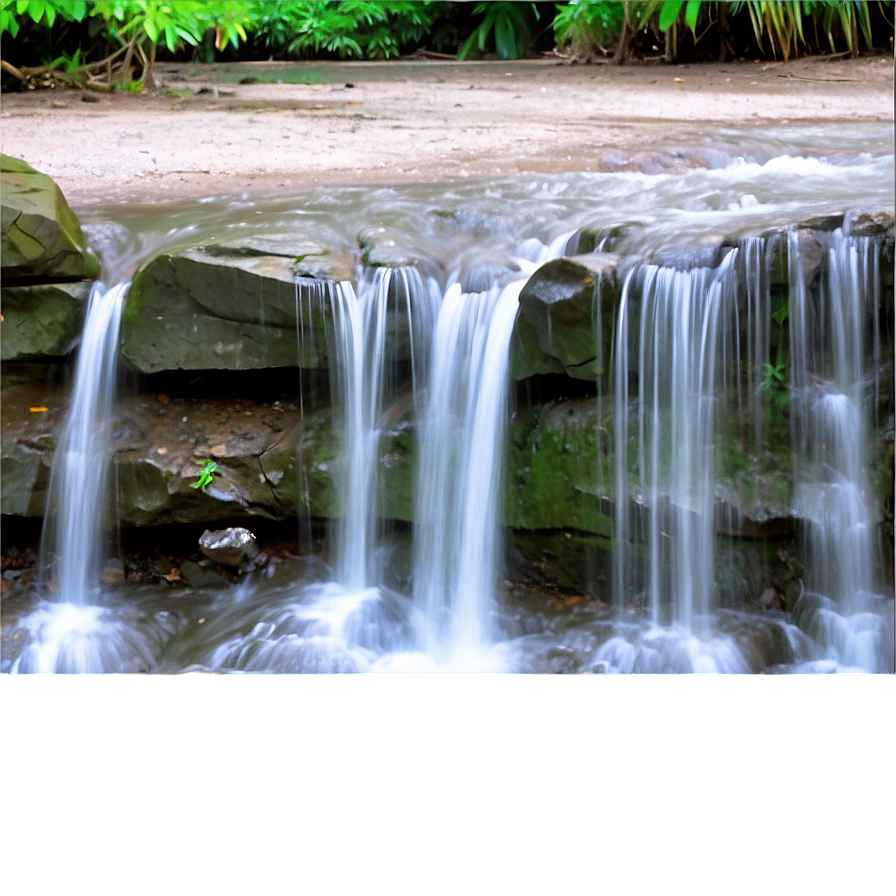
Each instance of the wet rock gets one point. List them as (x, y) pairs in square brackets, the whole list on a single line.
[(42, 322), (811, 256), (764, 642), (27, 442), (230, 547), (770, 599), (601, 238), (208, 309), (560, 304), (384, 247), (559, 660), (555, 478), (706, 251), (575, 562), (199, 577), (40, 237), (880, 223)]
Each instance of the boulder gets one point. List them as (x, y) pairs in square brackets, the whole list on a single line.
[(225, 307), (877, 223), (559, 306), (30, 418), (41, 237), (234, 546), (42, 321), (256, 303)]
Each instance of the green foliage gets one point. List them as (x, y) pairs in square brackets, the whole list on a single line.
[(384, 30), (206, 475), (775, 384), (784, 28), (40, 12), (781, 314), (782, 25), (508, 25), (68, 63), (353, 29), (585, 26)]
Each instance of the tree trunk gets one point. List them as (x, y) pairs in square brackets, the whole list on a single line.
[(671, 38), (622, 48)]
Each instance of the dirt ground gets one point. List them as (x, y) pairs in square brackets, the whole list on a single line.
[(204, 132)]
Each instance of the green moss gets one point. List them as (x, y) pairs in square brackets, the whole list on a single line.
[(553, 471)]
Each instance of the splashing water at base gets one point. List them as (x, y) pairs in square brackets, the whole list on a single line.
[(67, 637)]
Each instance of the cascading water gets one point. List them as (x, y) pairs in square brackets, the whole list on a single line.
[(835, 355), (72, 631), (460, 473), (392, 306), (460, 482), (697, 359), (678, 346), (78, 515)]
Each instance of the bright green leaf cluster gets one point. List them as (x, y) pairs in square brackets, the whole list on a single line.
[(206, 475), (40, 12)]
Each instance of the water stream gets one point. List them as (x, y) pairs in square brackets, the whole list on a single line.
[(691, 352)]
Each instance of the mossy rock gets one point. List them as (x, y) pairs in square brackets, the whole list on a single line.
[(561, 306), (207, 309), (40, 237), (555, 472), (44, 321)]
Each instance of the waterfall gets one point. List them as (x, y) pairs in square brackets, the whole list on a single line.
[(458, 548), (835, 350), (78, 498), (75, 631), (459, 490), (392, 306), (669, 486)]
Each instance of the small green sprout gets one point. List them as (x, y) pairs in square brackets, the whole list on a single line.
[(206, 475)]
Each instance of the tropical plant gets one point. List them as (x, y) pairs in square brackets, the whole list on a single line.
[(39, 12), (507, 25), (585, 27)]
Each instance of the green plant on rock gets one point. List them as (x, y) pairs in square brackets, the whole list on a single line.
[(775, 378), (206, 475)]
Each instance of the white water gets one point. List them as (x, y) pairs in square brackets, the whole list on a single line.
[(78, 505), (391, 304), (666, 421), (833, 361), (683, 317)]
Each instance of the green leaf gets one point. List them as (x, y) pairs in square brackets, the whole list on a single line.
[(669, 14), (691, 12), (505, 39)]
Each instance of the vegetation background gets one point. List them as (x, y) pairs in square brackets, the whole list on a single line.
[(115, 45)]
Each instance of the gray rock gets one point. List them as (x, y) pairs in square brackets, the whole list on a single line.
[(879, 223), (558, 307), (229, 547), (41, 237), (204, 309), (42, 322), (199, 577)]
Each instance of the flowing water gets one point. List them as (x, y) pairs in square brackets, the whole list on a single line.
[(691, 350)]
